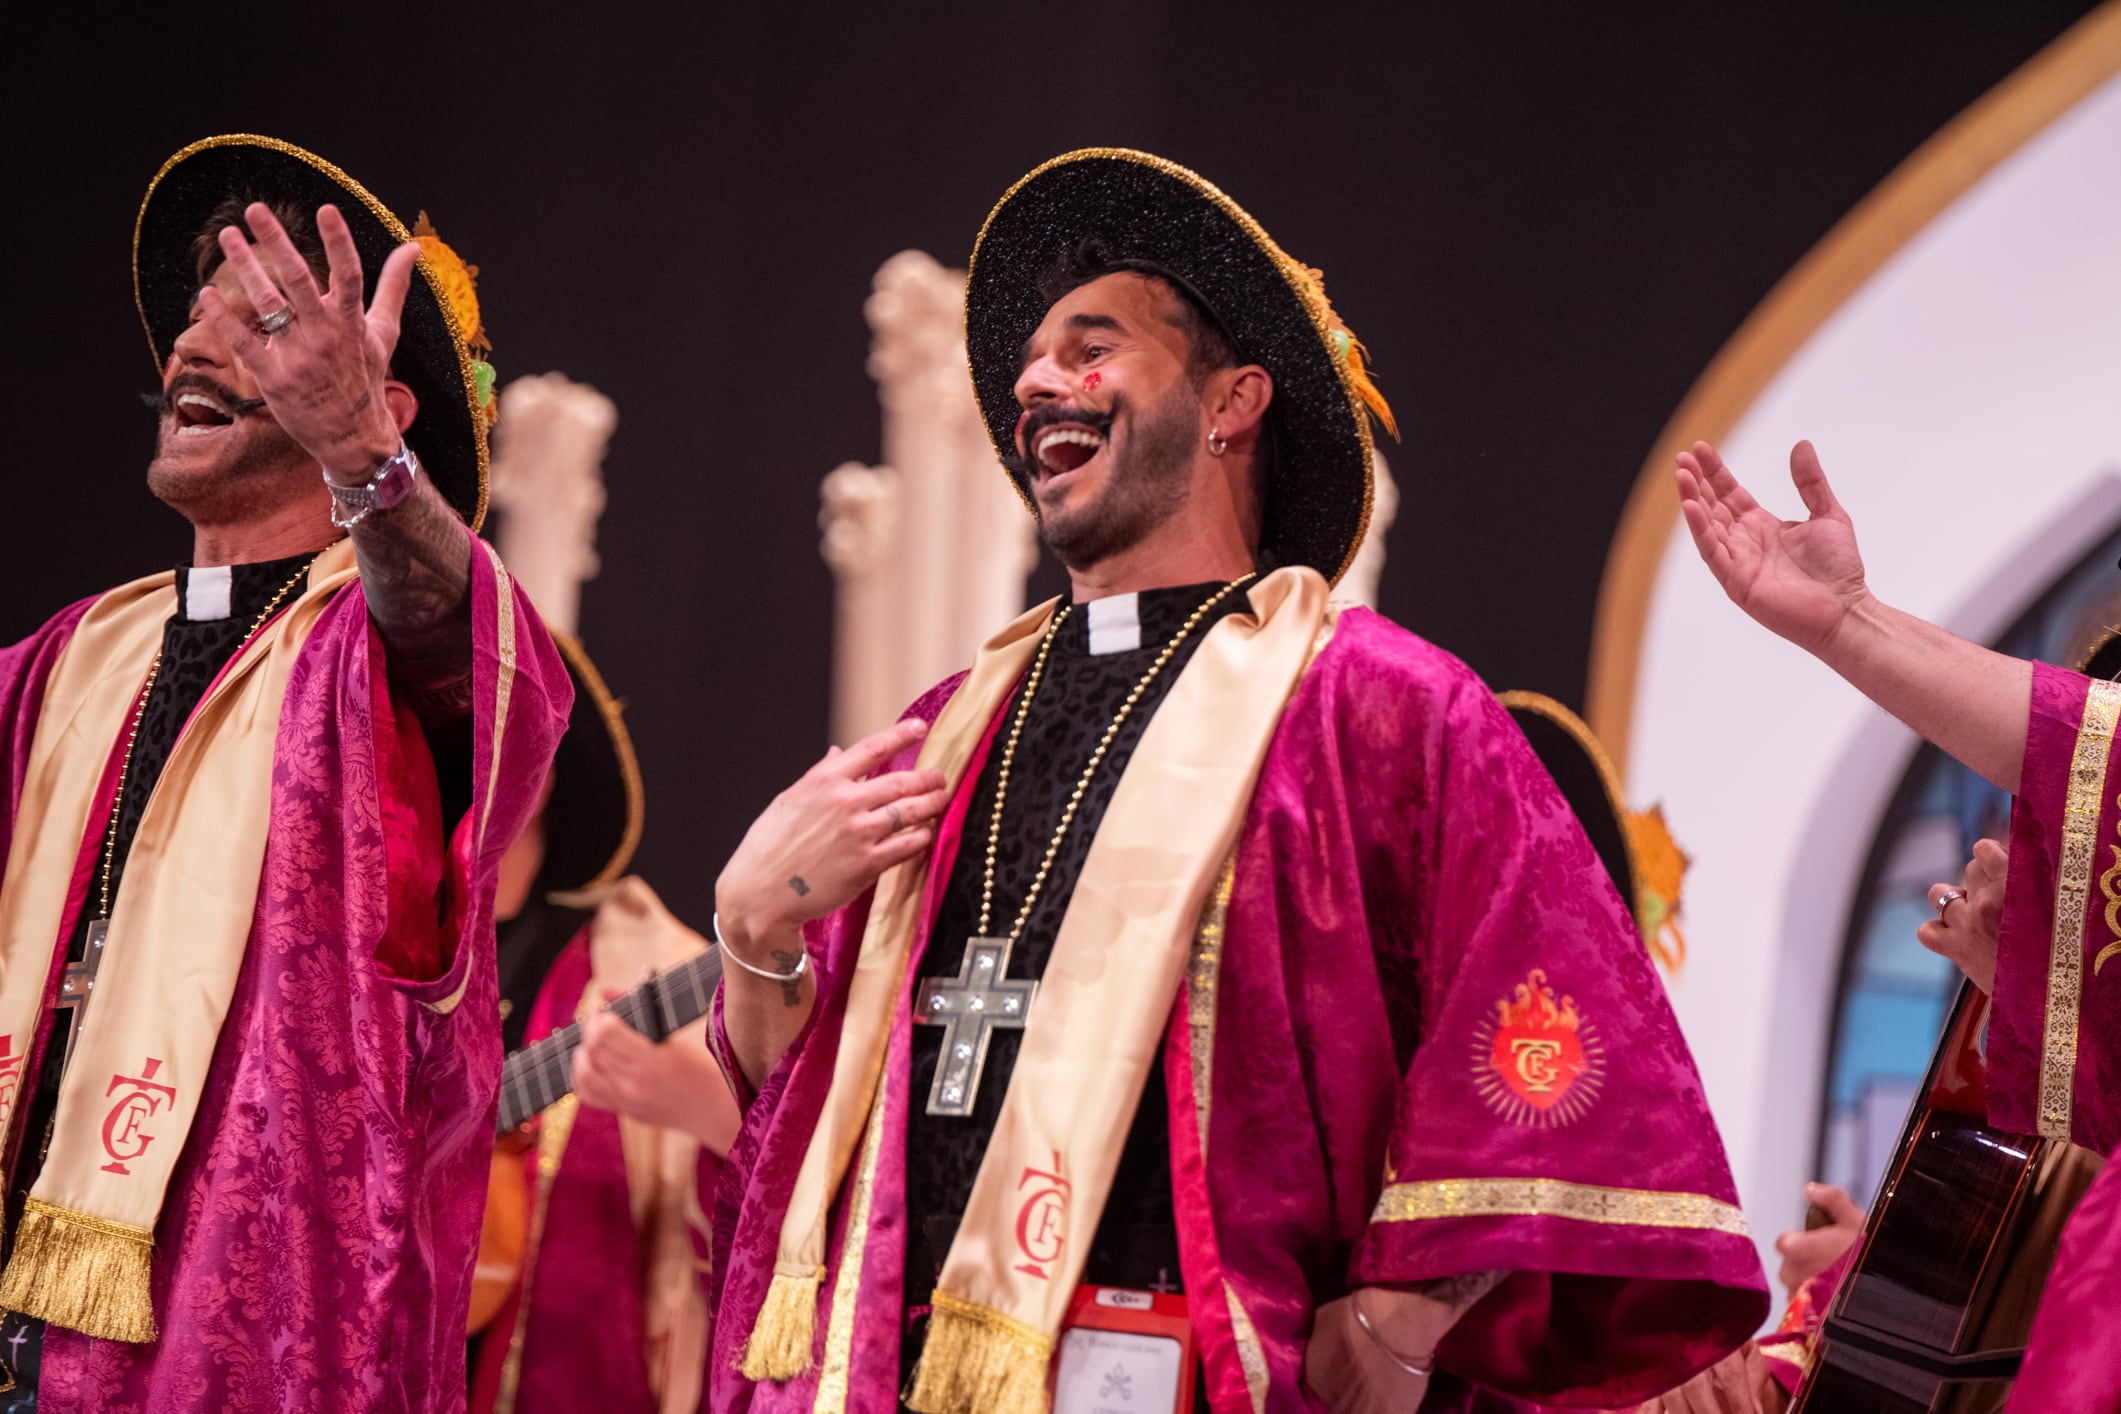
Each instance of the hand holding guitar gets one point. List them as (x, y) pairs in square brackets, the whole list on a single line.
[(674, 1084), (1970, 917), (1810, 1250)]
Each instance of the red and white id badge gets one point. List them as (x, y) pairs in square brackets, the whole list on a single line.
[(1124, 1352)]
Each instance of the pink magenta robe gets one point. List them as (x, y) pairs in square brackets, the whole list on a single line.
[(587, 1331), (1405, 865), (315, 1248), (2074, 1361)]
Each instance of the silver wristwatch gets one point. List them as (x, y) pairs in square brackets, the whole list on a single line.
[(392, 483)]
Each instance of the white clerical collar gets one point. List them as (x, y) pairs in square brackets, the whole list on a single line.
[(208, 592), (1115, 624)]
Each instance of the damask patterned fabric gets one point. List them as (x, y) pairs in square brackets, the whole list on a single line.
[(1426, 1040), (2054, 1038), (316, 1246), (193, 653)]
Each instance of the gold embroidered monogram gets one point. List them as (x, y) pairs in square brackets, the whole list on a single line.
[(2065, 958), (1553, 1198)]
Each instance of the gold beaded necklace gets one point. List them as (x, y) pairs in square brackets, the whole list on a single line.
[(132, 739), (981, 996), (1023, 710)]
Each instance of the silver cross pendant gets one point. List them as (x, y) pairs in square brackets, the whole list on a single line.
[(969, 1007), (78, 983)]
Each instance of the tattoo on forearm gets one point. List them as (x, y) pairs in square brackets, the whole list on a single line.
[(1461, 1291), (416, 573), (801, 889), (791, 987)]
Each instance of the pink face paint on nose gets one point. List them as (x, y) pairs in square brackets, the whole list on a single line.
[(1092, 380)]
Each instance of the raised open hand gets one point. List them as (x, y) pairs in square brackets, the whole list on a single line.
[(1797, 578), (323, 364)]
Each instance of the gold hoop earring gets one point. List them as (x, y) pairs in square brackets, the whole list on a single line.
[(1216, 445)]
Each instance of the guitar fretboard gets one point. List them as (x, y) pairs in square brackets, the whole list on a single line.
[(541, 1073)]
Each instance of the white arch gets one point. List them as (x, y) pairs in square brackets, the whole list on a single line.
[(1966, 400)]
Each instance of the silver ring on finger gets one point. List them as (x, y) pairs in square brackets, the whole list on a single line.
[(279, 319), (898, 821), (1947, 899)]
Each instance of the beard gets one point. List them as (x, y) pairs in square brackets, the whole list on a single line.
[(262, 452), (1149, 482)]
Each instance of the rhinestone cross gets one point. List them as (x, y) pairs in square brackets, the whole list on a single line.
[(969, 1007), (78, 983)]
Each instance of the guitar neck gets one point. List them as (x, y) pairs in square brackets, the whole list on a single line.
[(543, 1072)]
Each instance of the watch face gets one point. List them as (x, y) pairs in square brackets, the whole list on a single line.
[(394, 482)]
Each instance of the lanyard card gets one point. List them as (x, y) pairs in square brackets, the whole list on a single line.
[(1124, 1352)]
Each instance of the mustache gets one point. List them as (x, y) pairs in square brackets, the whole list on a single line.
[(164, 400), (1047, 415)]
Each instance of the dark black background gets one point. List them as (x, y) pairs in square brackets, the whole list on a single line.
[(1543, 218)]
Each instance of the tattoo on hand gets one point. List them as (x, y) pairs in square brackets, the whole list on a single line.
[(791, 987), (1461, 1291), (801, 889)]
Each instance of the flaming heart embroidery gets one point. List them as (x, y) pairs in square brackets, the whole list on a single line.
[(1536, 1060)]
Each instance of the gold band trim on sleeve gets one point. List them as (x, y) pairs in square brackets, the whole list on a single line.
[(1794, 1349), (1552, 1198), (1251, 1355), (2065, 956)]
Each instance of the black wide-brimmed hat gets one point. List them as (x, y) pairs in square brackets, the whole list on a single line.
[(2103, 659), (441, 335), (1274, 309), (1579, 765), (593, 816)]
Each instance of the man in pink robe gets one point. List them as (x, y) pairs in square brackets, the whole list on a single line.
[(2035, 932), (314, 1246), (1419, 1119), (610, 1301)]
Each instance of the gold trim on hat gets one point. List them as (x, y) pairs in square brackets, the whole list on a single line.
[(1541, 705), (622, 746), (1292, 272), (399, 232)]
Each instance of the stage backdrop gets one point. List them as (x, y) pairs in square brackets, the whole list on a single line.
[(1544, 220), (1951, 350)]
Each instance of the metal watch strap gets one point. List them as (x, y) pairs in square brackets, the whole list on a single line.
[(392, 483)]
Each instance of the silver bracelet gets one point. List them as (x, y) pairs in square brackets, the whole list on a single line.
[(1412, 1367), (802, 965)]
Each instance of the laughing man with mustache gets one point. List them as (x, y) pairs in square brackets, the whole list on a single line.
[(1225, 956), (252, 816)]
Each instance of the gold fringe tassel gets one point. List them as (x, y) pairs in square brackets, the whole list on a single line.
[(82, 1272), (978, 1361), (782, 1341)]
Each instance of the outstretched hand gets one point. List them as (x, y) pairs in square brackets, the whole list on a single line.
[(322, 373), (1797, 578)]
